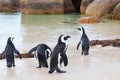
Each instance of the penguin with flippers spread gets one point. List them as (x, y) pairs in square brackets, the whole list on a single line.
[(9, 52)]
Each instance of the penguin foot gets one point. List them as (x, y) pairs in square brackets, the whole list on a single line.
[(39, 66), (60, 71), (86, 54), (45, 66), (13, 65), (51, 71), (81, 53), (9, 66)]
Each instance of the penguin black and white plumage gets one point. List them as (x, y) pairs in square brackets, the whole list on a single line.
[(84, 41), (61, 49), (43, 52), (9, 53)]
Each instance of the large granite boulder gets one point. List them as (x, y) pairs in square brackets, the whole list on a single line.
[(89, 20), (9, 5), (84, 5), (102, 8), (46, 6), (116, 12)]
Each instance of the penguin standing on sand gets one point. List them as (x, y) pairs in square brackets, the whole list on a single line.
[(61, 49), (84, 41), (9, 53), (43, 52)]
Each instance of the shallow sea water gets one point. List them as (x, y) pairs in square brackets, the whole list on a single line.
[(30, 30)]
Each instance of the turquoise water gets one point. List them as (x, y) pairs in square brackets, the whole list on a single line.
[(30, 30)]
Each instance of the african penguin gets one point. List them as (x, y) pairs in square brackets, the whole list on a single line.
[(84, 40), (43, 52), (61, 49), (9, 53)]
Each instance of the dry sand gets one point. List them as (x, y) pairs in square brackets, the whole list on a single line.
[(101, 64)]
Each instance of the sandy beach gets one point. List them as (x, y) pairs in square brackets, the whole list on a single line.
[(103, 63)]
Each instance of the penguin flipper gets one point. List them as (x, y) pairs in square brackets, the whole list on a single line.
[(61, 60), (78, 45), (33, 49), (64, 59), (18, 53)]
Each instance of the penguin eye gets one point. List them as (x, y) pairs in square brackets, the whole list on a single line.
[(65, 38)]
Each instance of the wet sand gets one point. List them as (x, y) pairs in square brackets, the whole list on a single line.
[(103, 63)]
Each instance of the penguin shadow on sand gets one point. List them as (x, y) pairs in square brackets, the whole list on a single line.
[(42, 52), (9, 53), (84, 41)]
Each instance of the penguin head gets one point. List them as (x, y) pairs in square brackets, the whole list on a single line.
[(10, 39), (81, 29), (63, 38)]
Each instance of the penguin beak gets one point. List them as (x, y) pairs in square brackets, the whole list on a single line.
[(78, 29), (12, 38), (68, 36)]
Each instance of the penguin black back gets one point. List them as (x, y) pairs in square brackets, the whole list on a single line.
[(60, 48), (43, 52), (84, 40), (9, 52)]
